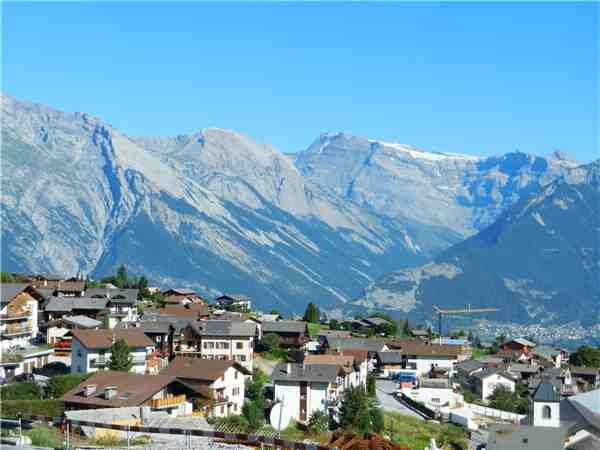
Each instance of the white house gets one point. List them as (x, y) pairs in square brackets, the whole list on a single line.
[(485, 382), (305, 388), (90, 349), (352, 372), (221, 383)]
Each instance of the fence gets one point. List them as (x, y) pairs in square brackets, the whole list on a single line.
[(240, 438), (419, 407), (495, 413)]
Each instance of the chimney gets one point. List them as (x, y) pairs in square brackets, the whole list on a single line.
[(110, 392), (288, 368), (89, 390)]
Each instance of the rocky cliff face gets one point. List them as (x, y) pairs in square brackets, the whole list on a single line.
[(218, 211), (539, 261)]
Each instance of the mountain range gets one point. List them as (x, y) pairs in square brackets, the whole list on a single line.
[(220, 212)]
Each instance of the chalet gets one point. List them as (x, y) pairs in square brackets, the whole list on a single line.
[(182, 296), (18, 316), (234, 301), (519, 344), (58, 307), (220, 383), (57, 329), (322, 335), (523, 372), (90, 349), (219, 339), (425, 358), (189, 311), (304, 389), (18, 328), (390, 363), (108, 389), (587, 377), (155, 330), (289, 333), (548, 354)]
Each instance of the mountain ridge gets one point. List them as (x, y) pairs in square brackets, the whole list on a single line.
[(232, 213)]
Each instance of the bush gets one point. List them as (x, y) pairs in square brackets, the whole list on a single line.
[(47, 408), (371, 387), (358, 413), (21, 391), (318, 423), (59, 385), (42, 436), (506, 400), (469, 397), (254, 413), (236, 424)]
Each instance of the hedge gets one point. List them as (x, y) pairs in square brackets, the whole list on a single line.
[(48, 408)]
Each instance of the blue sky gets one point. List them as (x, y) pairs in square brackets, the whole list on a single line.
[(477, 78)]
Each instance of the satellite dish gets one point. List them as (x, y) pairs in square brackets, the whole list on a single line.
[(280, 416)]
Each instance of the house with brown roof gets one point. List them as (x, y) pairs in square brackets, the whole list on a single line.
[(90, 349), (190, 311), (109, 389), (426, 358), (220, 384), (290, 333), (182, 296), (219, 339)]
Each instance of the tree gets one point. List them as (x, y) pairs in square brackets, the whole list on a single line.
[(334, 325), (121, 359), (358, 412), (371, 387), (142, 285), (388, 329), (6, 277), (21, 391), (121, 277), (254, 413), (312, 314), (318, 423), (269, 343), (255, 388), (506, 400), (405, 329), (59, 385), (586, 356)]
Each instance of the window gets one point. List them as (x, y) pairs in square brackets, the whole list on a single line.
[(235, 375), (546, 412), (222, 409), (235, 391), (239, 345), (242, 358)]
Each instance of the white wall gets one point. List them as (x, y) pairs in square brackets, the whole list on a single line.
[(289, 393), (490, 384), (424, 364), (230, 382), (81, 358), (538, 419)]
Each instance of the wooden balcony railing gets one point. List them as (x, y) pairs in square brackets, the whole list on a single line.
[(167, 402)]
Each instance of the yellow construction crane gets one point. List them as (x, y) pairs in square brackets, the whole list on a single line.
[(451, 312)]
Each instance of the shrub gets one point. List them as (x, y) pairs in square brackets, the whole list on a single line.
[(318, 423), (21, 391), (42, 436), (47, 408), (254, 413), (59, 385)]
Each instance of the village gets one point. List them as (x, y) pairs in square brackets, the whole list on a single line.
[(120, 353)]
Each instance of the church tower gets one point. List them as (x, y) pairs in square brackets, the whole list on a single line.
[(546, 404)]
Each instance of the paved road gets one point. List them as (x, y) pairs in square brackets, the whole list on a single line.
[(385, 394)]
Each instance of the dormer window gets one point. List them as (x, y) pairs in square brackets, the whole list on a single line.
[(546, 412)]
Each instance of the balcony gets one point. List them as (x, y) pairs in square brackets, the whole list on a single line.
[(16, 315), (15, 330), (8, 359), (167, 402)]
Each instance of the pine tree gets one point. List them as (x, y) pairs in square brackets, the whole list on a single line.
[(121, 359), (312, 314), (406, 329), (121, 277)]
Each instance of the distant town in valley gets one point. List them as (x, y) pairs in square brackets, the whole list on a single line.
[(100, 362)]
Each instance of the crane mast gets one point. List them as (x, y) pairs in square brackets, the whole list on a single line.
[(465, 311)]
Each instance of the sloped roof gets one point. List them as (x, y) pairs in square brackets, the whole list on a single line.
[(375, 321), (470, 365), (8, 291), (103, 339), (189, 311), (200, 369), (82, 321), (546, 392), (67, 304), (117, 295), (337, 360), (223, 328), (342, 344), (132, 389), (325, 373), (522, 341), (181, 291), (525, 437), (390, 357), (284, 326), (419, 348)]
